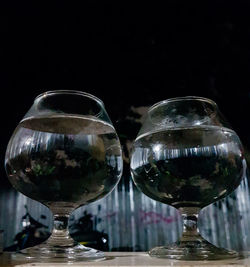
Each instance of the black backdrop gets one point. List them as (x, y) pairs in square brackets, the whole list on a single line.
[(126, 53)]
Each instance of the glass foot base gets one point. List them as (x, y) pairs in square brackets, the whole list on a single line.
[(192, 251), (45, 253)]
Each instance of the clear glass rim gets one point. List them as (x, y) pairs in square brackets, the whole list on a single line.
[(176, 99), (70, 92)]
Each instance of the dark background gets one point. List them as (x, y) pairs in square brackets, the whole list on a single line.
[(126, 53)]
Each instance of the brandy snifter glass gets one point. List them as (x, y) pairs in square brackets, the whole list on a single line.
[(64, 153), (186, 155)]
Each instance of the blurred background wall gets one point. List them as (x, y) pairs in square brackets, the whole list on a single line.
[(127, 220), (131, 56)]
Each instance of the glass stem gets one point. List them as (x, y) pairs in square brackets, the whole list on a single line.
[(190, 224), (60, 233)]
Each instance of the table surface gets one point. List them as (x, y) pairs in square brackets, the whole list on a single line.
[(124, 259)]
